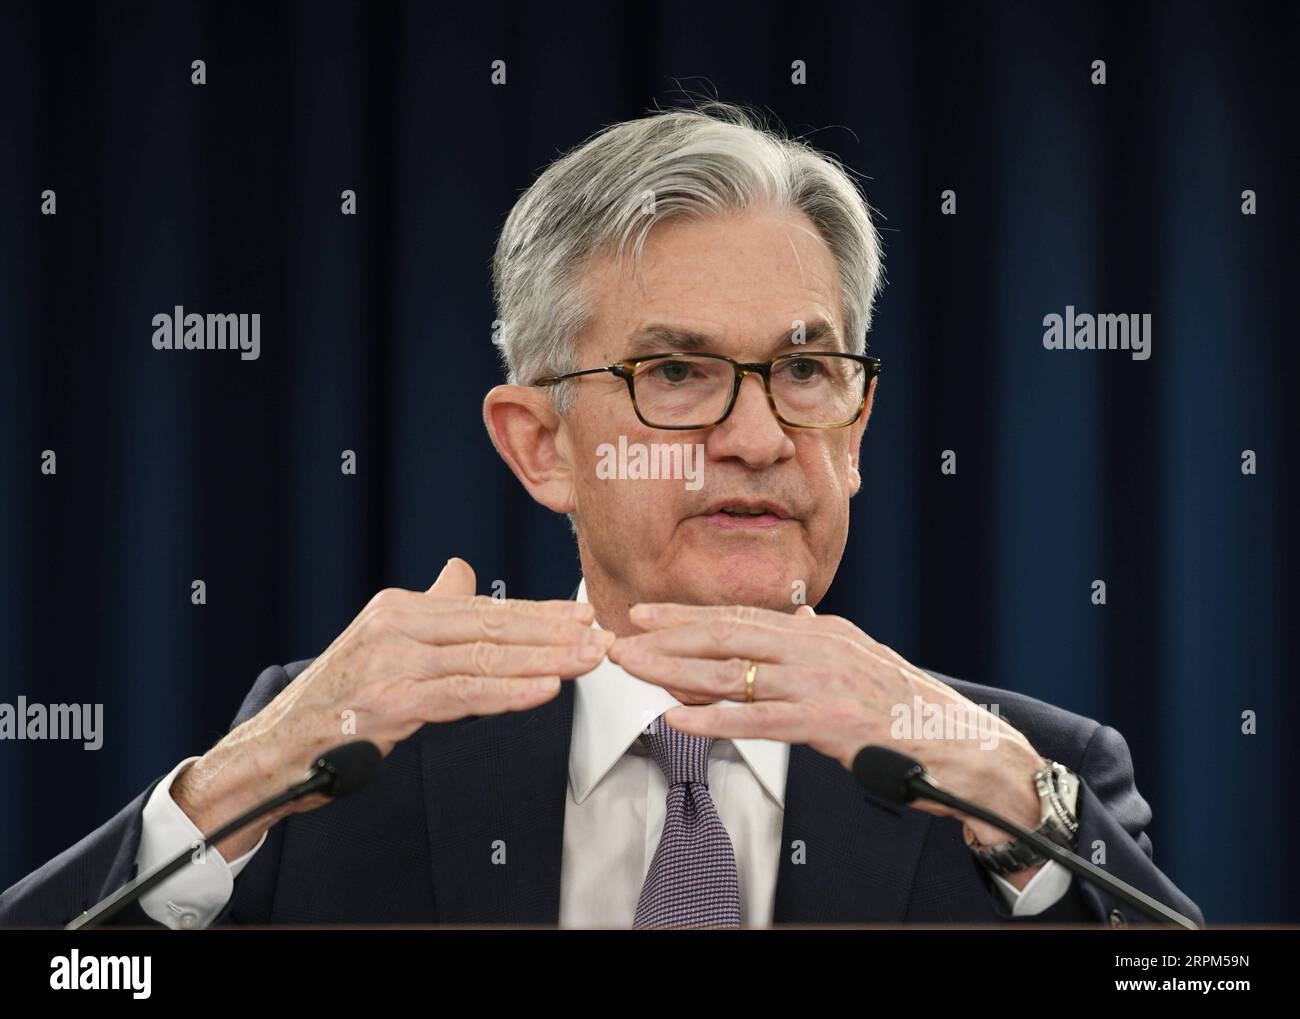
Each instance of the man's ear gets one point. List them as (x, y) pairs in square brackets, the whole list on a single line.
[(529, 434), (855, 439)]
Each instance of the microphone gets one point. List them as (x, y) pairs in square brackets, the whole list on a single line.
[(338, 772), (898, 779)]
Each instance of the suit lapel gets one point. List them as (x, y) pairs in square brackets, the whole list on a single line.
[(858, 858), (495, 795)]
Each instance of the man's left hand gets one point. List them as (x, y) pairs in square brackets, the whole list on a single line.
[(823, 682)]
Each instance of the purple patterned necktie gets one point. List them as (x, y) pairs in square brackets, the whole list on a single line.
[(692, 881)]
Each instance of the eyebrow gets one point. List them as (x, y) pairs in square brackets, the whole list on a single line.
[(662, 339)]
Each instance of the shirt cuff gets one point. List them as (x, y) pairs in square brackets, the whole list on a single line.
[(197, 893), (1044, 890)]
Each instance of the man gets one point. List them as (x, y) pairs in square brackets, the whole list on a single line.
[(672, 747)]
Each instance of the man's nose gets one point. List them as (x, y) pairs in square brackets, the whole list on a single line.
[(751, 432)]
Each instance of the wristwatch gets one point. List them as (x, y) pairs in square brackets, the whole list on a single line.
[(1058, 790)]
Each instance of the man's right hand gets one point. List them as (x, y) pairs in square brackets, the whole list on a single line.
[(408, 658)]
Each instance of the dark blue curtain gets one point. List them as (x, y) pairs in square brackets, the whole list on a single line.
[(1072, 466)]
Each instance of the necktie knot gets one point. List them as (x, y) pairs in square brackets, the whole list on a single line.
[(681, 757)]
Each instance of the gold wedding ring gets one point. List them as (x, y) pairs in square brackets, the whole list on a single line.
[(750, 673)]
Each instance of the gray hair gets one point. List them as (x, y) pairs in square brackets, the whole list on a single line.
[(593, 202)]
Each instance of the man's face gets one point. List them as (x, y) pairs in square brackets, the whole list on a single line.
[(737, 285)]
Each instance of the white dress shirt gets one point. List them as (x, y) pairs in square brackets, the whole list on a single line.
[(613, 817)]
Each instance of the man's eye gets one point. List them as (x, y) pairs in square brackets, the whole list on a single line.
[(804, 370), (670, 371)]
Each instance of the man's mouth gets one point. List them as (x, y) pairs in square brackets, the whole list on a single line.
[(745, 515)]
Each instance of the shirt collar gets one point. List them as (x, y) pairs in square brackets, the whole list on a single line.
[(610, 709)]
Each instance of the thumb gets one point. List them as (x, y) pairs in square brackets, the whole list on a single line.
[(456, 578), (805, 610)]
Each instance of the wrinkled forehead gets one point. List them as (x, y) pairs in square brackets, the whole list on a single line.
[(744, 285)]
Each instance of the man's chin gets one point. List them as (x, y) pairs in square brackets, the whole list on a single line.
[(736, 579)]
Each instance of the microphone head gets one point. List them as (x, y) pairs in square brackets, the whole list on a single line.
[(350, 767), (886, 774)]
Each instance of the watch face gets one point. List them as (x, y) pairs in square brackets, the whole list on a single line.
[(1067, 786), (1060, 806)]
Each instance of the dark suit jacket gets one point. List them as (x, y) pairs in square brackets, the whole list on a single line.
[(415, 846)]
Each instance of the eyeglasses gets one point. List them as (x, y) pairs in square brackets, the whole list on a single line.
[(688, 391)]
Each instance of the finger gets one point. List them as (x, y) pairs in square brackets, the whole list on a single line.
[(399, 598), (722, 630), (457, 577), (656, 615), (484, 658), (775, 720), (724, 637), (706, 677), (460, 696), (498, 624), (659, 615), (461, 603)]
